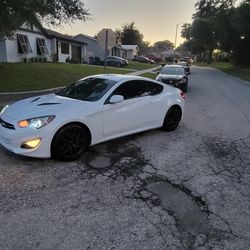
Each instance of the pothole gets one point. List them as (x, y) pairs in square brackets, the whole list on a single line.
[(100, 162), (189, 215)]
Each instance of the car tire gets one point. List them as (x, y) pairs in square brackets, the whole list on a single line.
[(172, 118), (69, 142), (118, 65)]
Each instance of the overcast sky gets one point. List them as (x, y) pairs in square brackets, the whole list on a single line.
[(155, 19)]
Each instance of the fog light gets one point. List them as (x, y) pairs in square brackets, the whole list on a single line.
[(31, 143)]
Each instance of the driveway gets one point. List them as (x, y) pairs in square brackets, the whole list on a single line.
[(188, 189)]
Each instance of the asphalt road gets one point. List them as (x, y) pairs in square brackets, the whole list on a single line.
[(188, 189)]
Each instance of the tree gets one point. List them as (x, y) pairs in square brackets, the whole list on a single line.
[(14, 13), (163, 45), (144, 47), (209, 8), (186, 31), (220, 24), (129, 35), (240, 23)]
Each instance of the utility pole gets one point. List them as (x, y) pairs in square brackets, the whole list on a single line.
[(106, 50), (175, 40)]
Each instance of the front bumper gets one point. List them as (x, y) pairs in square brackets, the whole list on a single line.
[(12, 139)]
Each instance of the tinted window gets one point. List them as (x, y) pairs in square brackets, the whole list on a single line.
[(134, 89), (64, 48), (172, 71), (90, 89)]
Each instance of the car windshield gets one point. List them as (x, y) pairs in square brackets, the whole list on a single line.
[(172, 71), (90, 89), (182, 63)]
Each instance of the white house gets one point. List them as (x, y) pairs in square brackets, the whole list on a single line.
[(29, 42), (96, 46), (130, 51), (93, 49)]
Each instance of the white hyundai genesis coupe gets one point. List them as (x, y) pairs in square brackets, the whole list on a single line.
[(89, 111)]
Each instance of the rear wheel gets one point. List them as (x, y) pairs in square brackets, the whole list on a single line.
[(69, 142), (118, 65), (172, 118)]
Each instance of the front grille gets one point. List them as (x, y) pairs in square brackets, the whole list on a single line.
[(169, 82), (6, 124)]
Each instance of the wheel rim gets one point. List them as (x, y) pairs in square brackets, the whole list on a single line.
[(72, 142), (173, 120)]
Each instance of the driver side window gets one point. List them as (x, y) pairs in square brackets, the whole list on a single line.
[(128, 90), (138, 88)]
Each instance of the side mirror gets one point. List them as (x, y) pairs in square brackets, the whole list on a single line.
[(116, 99), (158, 72)]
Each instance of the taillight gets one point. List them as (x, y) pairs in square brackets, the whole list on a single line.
[(183, 95)]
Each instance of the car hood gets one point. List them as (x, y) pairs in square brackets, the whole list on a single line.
[(50, 104), (169, 77)]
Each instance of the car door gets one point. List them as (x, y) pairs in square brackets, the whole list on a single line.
[(135, 113)]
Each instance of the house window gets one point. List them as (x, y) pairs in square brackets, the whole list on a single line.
[(23, 44), (41, 46), (64, 48)]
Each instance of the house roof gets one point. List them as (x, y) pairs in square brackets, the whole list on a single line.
[(52, 33), (130, 47), (89, 37)]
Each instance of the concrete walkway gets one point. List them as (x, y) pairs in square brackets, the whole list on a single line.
[(8, 97), (140, 72)]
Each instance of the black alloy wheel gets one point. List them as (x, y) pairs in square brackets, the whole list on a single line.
[(69, 142), (172, 119), (118, 65)]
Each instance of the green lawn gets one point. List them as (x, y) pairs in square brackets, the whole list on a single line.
[(149, 75), (241, 72), (36, 76), (140, 66)]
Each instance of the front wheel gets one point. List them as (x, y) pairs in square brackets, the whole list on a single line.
[(172, 118), (69, 142)]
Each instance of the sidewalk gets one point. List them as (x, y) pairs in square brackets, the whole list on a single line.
[(8, 97), (140, 72)]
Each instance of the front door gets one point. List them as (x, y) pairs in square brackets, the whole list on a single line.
[(76, 53), (136, 113)]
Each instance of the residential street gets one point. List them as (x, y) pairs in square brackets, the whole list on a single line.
[(187, 189)]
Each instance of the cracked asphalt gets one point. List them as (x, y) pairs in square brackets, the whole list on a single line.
[(188, 189)]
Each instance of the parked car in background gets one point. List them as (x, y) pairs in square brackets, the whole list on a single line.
[(153, 57), (186, 66), (116, 61), (143, 59), (186, 59), (174, 75), (90, 111)]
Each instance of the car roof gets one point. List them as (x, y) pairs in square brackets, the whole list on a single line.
[(119, 77), (173, 66), (114, 57)]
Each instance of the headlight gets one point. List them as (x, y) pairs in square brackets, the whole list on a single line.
[(4, 109), (37, 122), (182, 80)]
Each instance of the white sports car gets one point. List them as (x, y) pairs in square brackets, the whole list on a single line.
[(89, 111)]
